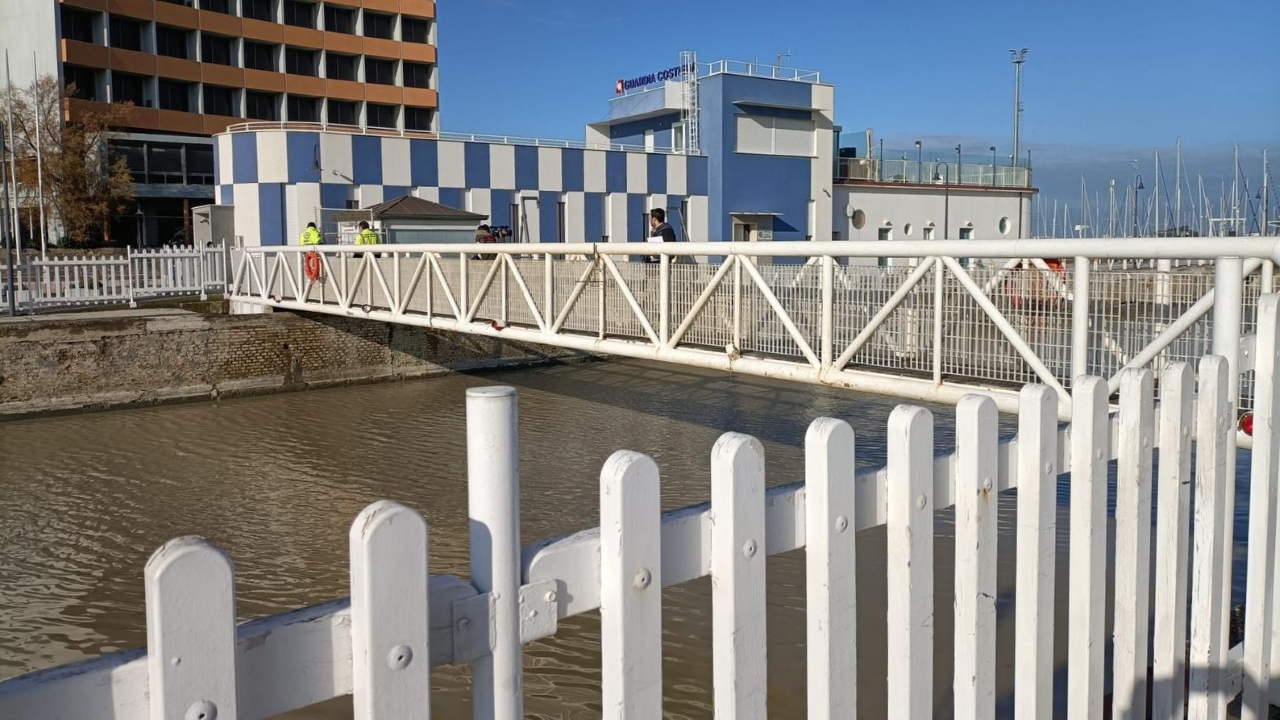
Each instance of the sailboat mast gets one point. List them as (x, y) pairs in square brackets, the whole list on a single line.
[(1155, 196), (1177, 195)]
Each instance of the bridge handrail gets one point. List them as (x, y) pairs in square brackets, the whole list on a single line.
[(1262, 248)]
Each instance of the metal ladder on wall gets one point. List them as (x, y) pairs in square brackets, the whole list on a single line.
[(689, 99)]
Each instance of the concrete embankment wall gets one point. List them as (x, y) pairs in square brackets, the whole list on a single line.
[(99, 360)]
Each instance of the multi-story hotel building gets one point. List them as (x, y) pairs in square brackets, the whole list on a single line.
[(192, 68)]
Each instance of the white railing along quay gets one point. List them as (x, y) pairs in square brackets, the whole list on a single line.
[(946, 319), (137, 275), (379, 646)]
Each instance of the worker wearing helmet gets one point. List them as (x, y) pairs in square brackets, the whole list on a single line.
[(310, 236)]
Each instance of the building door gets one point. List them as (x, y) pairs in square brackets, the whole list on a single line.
[(292, 224)]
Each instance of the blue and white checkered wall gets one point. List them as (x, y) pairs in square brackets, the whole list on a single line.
[(278, 180)]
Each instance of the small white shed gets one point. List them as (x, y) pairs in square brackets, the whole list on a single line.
[(411, 220)]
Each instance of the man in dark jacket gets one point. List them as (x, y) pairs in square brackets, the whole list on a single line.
[(659, 228)]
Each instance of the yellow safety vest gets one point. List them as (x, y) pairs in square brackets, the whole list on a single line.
[(368, 237), (310, 236)]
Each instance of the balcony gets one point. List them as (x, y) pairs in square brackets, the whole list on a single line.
[(181, 122), (377, 47), (177, 15), (94, 5), (344, 90), (417, 52), (303, 37), (262, 30), (222, 75), (133, 61), (343, 43), (84, 54), (418, 8), (264, 81), (178, 69), (138, 9), (302, 85), (384, 94), (421, 97), (970, 172), (218, 23)]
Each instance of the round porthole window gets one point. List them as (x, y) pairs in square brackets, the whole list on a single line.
[(1005, 226), (859, 219), (906, 229)]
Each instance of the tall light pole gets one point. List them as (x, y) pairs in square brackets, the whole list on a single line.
[(1018, 57), (1137, 186), (6, 231), (945, 178), (919, 162), (993, 164), (959, 167)]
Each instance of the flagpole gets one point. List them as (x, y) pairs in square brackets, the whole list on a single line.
[(11, 280), (39, 117), (13, 157)]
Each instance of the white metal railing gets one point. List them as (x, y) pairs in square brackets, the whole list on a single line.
[(259, 125), (952, 318), (928, 172), (136, 275), (760, 70), (380, 645)]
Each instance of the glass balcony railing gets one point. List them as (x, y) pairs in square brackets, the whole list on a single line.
[(930, 172)]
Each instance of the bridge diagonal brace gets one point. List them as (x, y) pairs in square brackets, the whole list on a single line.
[(701, 302), (524, 291), (631, 300), (372, 261), (1005, 328), (780, 311), (444, 283), (286, 273), (1176, 328), (414, 279), (888, 309), (578, 289), (338, 289), (350, 290), (484, 289)]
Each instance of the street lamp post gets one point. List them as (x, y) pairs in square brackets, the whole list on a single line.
[(959, 167), (993, 164), (945, 178), (1137, 186), (919, 162), (11, 282)]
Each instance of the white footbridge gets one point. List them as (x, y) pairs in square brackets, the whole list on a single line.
[(942, 328)]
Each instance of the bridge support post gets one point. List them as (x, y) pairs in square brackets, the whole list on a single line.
[(493, 501), (1228, 298), (1080, 320), (664, 299), (828, 310), (938, 269)]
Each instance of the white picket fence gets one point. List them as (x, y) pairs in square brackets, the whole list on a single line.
[(136, 275), (380, 645)]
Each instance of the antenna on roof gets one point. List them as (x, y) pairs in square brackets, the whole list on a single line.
[(778, 57)]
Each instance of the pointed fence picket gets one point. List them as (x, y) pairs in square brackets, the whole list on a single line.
[(380, 645)]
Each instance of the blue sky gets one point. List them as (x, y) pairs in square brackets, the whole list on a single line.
[(1105, 82)]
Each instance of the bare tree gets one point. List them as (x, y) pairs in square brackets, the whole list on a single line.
[(86, 183)]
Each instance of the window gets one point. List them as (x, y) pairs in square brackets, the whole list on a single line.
[(304, 109), (126, 34), (1006, 225), (77, 24), (378, 26), (258, 10), (173, 42), (219, 101), (677, 137), (415, 30), (966, 233), (259, 56), (379, 72), (299, 14), (383, 116), (164, 163), (175, 95), (775, 136), (300, 62), (340, 67), (343, 113), (135, 155), (83, 80), (199, 164), (215, 49), (417, 118), (560, 222), (129, 88), (337, 19), (417, 75), (928, 233), (261, 106), (219, 6)]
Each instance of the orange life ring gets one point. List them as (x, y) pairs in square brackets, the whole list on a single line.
[(311, 264)]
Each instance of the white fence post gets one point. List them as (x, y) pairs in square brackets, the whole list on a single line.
[(830, 570), (1259, 610), (1206, 699), (909, 530), (191, 631), (1037, 545), (977, 442), (737, 578), (1133, 545), (1173, 528), (1085, 644), (390, 657), (493, 500), (630, 588)]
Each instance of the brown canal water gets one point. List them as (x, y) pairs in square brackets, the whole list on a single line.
[(276, 482)]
